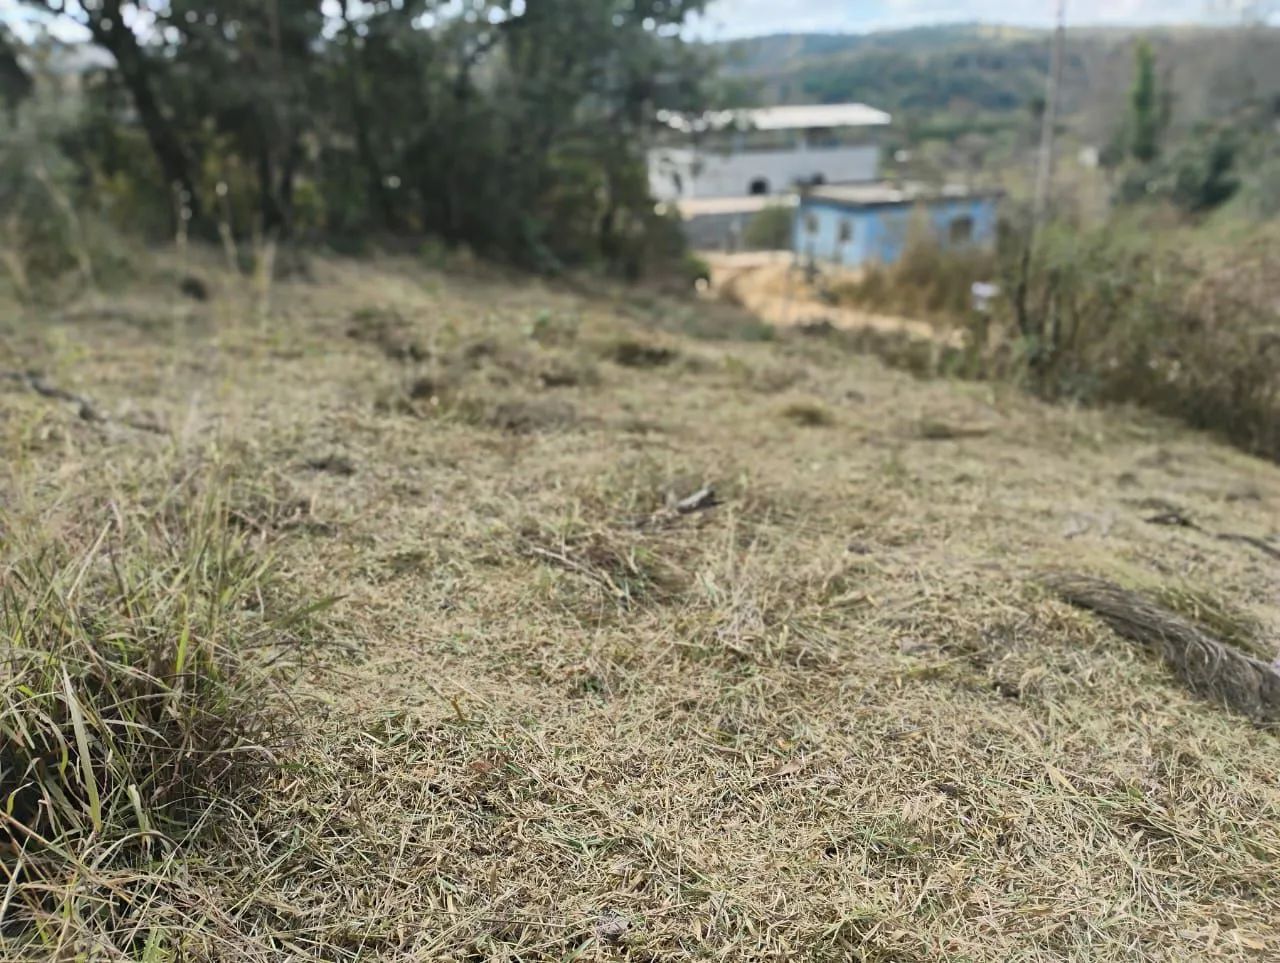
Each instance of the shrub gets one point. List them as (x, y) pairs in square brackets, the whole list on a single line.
[(694, 270), (770, 229), (1117, 318), (1259, 198), (928, 281), (1198, 177)]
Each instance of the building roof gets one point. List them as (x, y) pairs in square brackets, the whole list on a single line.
[(874, 195), (808, 117), (794, 117)]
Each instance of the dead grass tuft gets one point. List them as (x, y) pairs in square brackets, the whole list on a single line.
[(1213, 669), (809, 414), (389, 331), (521, 416), (640, 354)]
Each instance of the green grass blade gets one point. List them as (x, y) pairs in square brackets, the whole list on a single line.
[(82, 743)]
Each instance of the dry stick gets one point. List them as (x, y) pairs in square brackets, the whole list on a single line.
[(85, 408), (225, 233), (1258, 543), (1211, 668), (1175, 517)]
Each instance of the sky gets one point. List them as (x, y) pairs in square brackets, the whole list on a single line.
[(743, 18)]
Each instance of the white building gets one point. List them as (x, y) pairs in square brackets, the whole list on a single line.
[(772, 150)]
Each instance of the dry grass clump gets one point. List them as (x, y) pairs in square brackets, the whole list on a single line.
[(640, 354), (808, 414), (388, 330), (133, 697), (519, 415), (494, 381), (1211, 668)]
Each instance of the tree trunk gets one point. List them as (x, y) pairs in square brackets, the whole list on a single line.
[(136, 71)]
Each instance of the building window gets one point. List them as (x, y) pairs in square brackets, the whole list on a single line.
[(758, 187), (962, 230), (811, 223), (846, 231)]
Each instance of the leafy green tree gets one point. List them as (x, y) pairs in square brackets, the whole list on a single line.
[(15, 83), (513, 126), (1146, 110)]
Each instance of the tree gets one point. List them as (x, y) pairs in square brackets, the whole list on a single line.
[(1145, 107), (15, 83), (514, 126)]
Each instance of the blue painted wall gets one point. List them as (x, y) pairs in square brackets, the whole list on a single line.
[(879, 233)]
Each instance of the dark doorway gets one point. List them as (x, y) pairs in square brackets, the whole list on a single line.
[(962, 230), (758, 187)]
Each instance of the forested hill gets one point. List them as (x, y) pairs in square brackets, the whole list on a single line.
[(983, 70)]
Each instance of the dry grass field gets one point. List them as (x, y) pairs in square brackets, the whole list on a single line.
[(496, 695)]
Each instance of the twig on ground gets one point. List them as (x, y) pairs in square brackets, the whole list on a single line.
[(1178, 518), (85, 407), (699, 501)]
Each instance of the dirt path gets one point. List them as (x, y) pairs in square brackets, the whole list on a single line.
[(830, 718), (766, 284)]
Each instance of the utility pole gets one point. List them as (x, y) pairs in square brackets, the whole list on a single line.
[(1053, 89)]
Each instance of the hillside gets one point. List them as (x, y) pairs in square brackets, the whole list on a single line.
[(978, 71), (532, 707)]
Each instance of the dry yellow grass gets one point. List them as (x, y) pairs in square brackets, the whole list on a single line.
[(834, 717)]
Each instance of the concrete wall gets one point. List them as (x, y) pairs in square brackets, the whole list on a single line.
[(854, 236), (717, 232), (678, 173)]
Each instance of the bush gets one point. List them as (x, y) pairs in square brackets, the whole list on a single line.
[(1259, 197), (693, 269), (1198, 177), (1116, 318), (47, 235), (769, 229), (928, 281)]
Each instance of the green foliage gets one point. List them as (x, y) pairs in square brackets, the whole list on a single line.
[(50, 244), (1198, 176), (951, 80), (770, 229), (694, 269), (1145, 122), (920, 71), (512, 129), (1259, 197), (127, 703), (929, 280), (1118, 318), (15, 83), (38, 243)]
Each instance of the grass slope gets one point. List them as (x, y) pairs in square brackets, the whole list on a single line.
[(834, 716)]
